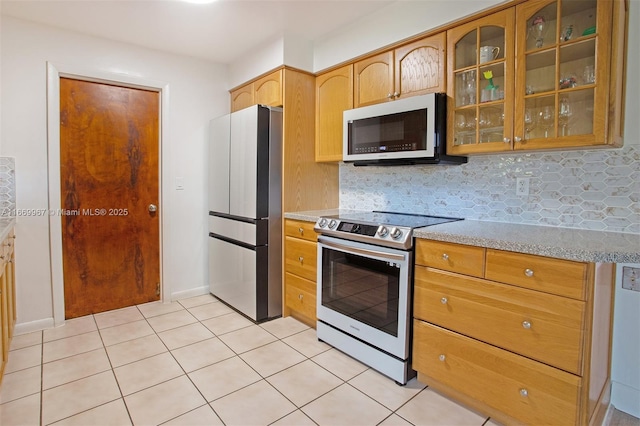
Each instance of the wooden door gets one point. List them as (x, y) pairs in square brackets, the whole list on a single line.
[(268, 89), (242, 97), (334, 95), (421, 66), (374, 80), (109, 148)]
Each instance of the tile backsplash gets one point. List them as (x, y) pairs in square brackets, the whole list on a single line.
[(587, 189), (7, 186)]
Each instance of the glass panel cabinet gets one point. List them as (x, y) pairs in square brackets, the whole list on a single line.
[(539, 75), (481, 65)]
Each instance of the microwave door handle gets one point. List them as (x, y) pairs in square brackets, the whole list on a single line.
[(364, 252)]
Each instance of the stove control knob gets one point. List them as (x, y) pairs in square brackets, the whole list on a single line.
[(332, 223), (322, 222), (396, 233), (383, 231)]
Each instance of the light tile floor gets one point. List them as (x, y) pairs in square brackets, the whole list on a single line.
[(197, 362)]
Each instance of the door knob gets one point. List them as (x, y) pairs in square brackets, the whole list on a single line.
[(153, 208)]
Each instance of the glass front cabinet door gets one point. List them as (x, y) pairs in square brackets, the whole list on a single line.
[(545, 74), (562, 86), (481, 64)]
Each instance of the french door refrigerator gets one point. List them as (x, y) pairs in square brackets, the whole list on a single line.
[(245, 217)]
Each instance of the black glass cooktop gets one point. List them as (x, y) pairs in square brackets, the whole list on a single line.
[(394, 219)]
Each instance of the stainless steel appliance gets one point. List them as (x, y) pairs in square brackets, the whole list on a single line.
[(407, 131), (365, 280), (245, 218)]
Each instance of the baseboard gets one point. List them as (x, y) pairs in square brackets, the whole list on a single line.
[(193, 292), (30, 327), (608, 415), (625, 398)]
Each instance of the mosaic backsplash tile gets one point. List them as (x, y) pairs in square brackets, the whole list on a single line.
[(586, 189), (7, 186)]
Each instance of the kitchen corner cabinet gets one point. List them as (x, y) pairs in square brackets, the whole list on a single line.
[(567, 61), (334, 95), (300, 254), (525, 339), (413, 69), (7, 298)]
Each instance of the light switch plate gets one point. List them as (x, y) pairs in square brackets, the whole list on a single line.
[(179, 183), (631, 278)]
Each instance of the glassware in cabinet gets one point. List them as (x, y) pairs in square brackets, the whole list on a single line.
[(558, 95), (481, 64)]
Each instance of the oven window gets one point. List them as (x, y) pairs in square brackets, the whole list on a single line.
[(361, 288)]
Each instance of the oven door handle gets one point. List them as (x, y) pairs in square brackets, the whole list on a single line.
[(364, 252)]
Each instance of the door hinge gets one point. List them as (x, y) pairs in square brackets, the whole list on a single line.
[(157, 289)]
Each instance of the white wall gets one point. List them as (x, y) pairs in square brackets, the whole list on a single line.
[(198, 92), (398, 21)]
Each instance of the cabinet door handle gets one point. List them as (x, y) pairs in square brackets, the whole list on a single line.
[(300, 297), (524, 393), (506, 140), (301, 259), (396, 94), (389, 96), (442, 357), (445, 256), (301, 231), (518, 139), (444, 300), (528, 272), (526, 324)]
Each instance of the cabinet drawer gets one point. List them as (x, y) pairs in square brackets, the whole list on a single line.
[(526, 390), (555, 276), (300, 258), (537, 325), (300, 229), (458, 258), (300, 295)]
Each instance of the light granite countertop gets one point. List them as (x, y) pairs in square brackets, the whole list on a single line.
[(562, 243)]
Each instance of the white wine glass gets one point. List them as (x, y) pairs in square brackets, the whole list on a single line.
[(529, 122), (546, 119), (565, 111)]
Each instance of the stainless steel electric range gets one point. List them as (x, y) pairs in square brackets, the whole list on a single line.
[(365, 280)]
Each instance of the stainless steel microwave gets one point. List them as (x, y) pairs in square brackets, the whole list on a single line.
[(407, 131)]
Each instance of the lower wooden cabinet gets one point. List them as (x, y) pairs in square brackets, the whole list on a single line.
[(7, 298), (300, 258), (524, 339)]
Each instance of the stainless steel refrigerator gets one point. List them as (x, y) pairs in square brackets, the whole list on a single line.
[(245, 214)]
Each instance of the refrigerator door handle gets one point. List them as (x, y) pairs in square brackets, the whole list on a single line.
[(232, 241)]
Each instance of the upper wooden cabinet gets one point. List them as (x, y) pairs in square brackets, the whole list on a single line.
[(242, 97), (480, 86), (266, 90), (566, 59), (334, 95), (413, 69)]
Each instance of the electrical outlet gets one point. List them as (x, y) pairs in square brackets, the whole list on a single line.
[(631, 278), (522, 186)]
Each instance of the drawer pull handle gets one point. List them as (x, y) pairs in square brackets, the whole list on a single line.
[(300, 297), (445, 256), (301, 231), (444, 300), (524, 393), (528, 272), (442, 357), (526, 324), (301, 259)]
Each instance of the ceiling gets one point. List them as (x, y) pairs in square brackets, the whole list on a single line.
[(220, 32)]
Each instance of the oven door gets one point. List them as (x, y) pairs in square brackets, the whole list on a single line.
[(363, 291)]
